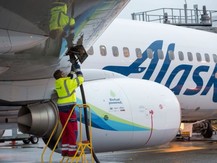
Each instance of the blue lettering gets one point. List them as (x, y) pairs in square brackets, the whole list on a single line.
[(165, 65), (182, 70), (212, 82), (198, 80), (178, 87), (154, 61), (134, 67)]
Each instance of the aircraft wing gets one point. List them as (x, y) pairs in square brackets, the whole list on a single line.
[(25, 33), (32, 16)]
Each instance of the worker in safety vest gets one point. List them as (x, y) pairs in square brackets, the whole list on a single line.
[(60, 23), (65, 88)]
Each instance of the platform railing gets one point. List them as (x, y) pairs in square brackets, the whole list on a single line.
[(82, 145), (177, 16)]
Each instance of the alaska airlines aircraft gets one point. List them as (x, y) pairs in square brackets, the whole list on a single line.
[(125, 113), (182, 59)]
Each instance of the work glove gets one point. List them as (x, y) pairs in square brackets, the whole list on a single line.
[(77, 66), (71, 74), (73, 68), (78, 69)]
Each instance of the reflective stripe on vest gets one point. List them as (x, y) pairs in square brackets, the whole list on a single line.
[(78, 82), (67, 91), (65, 88)]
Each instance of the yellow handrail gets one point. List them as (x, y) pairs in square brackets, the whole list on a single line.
[(50, 160), (81, 145), (45, 147)]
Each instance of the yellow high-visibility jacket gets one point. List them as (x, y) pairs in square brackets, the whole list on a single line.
[(65, 88), (59, 18)]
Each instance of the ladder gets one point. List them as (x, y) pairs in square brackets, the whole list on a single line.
[(82, 145)]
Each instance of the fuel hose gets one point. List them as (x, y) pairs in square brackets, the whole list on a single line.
[(86, 121)]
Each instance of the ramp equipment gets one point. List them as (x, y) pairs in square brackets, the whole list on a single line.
[(83, 146)]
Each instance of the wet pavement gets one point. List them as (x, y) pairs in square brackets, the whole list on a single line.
[(198, 150)]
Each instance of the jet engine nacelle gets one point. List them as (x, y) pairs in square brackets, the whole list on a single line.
[(126, 113)]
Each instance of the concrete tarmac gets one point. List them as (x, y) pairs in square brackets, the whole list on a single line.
[(197, 150)]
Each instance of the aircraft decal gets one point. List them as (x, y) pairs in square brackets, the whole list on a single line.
[(212, 82), (183, 69), (165, 65), (134, 67), (106, 121)]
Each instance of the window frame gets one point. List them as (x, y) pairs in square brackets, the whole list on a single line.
[(190, 56), (138, 53), (126, 52), (171, 55), (115, 51), (199, 57), (160, 54), (207, 57), (150, 53), (103, 50)]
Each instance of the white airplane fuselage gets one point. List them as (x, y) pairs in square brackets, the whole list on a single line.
[(166, 59), (127, 113), (123, 116)]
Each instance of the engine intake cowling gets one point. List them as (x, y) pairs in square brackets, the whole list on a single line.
[(126, 113)]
